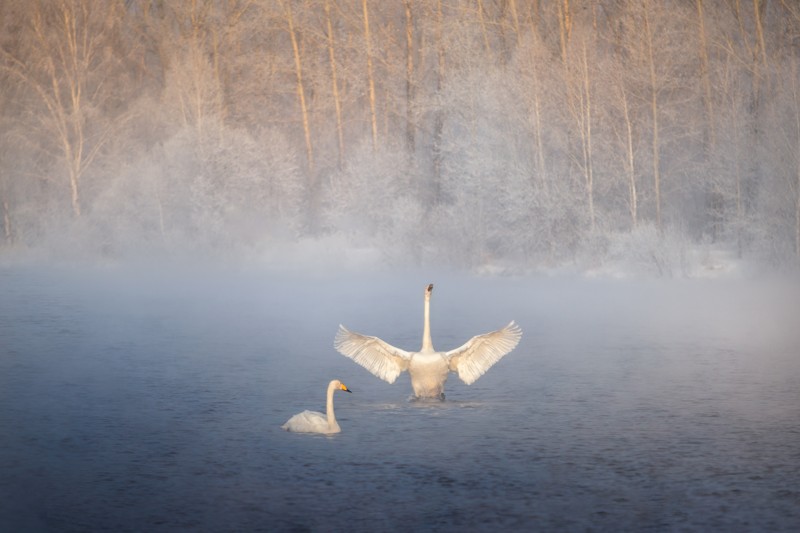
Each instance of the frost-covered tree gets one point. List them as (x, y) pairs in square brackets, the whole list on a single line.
[(71, 59), (478, 132)]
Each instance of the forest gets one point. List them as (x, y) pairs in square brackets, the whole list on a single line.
[(477, 134)]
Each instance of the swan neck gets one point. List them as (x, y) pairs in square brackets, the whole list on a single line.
[(427, 345), (329, 406)]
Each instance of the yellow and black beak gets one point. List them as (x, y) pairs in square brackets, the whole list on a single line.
[(344, 388)]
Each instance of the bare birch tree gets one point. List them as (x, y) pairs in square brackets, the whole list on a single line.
[(708, 100), (410, 126), (70, 65), (648, 38), (370, 77), (301, 91), (337, 102)]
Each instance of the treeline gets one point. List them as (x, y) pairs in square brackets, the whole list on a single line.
[(465, 131)]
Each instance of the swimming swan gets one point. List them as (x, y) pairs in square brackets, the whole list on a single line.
[(428, 368), (314, 422)]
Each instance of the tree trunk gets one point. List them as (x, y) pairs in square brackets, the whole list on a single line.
[(219, 94), (708, 102), (370, 77), (301, 95), (654, 110), (796, 154), (738, 145), (564, 28), (160, 204), (7, 223), (512, 4), (484, 31), (74, 190), (438, 121), (796, 98), (758, 14), (739, 212), (410, 133), (335, 84), (541, 171), (66, 74), (631, 169), (587, 135)]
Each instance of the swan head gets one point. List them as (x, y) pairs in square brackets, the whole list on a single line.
[(428, 290), (341, 386)]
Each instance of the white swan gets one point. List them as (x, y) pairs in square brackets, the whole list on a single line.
[(427, 367), (314, 422)]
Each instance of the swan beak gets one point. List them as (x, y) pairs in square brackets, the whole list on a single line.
[(430, 287), (344, 388)]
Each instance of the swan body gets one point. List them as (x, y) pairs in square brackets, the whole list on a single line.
[(428, 368), (314, 422)]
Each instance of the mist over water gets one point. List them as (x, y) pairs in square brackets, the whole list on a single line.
[(152, 399), (142, 387)]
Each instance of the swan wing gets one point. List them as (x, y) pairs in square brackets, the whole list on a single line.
[(479, 353), (377, 356)]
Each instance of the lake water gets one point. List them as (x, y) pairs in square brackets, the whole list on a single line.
[(144, 400)]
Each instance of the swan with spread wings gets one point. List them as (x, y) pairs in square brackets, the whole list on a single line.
[(427, 367)]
